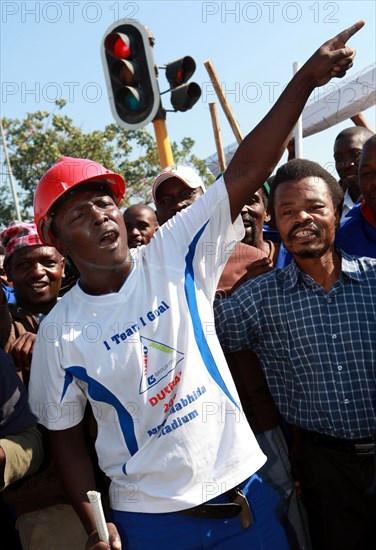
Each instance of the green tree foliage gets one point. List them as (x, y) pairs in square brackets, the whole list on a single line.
[(41, 138)]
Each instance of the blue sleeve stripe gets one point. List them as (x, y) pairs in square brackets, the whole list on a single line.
[(191, 297), (99, 393)]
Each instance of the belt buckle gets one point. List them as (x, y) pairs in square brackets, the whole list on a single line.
[(245, 516), (362, 449)]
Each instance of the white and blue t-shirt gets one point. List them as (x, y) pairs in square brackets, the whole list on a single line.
[(171, 433)]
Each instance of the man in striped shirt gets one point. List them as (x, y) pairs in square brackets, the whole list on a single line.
[(313, 326)]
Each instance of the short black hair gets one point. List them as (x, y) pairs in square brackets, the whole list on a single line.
[(298, 169), (361, 131)]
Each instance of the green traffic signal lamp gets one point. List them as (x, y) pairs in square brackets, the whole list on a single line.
[(130, 74), (131, 100)]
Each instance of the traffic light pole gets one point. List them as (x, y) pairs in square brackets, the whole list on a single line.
[(163, 141)]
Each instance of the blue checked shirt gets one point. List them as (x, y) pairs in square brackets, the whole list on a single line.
[(317, 349)]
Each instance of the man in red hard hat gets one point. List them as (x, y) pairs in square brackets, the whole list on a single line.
[(141, 348), (59, 183)]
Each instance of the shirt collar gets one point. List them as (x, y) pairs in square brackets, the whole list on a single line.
[(348, 203), (350, 266), (367, 213), (292, 274)]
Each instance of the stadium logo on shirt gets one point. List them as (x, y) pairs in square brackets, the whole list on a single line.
[(158, 360)]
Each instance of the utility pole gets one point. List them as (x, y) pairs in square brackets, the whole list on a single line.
[(12, 184)]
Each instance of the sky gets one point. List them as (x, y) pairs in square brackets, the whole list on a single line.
[(51, 50)]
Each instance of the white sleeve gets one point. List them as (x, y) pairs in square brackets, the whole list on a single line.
[(55, 397), (203, 234)]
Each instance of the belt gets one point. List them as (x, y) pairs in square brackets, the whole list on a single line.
[(237, 506), (360, 447)]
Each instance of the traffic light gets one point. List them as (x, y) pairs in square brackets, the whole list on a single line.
[(183, 96), (130, 74)]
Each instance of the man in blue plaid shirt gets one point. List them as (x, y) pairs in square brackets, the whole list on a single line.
[(313, 326)]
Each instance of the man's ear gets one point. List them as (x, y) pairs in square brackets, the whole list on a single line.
[(63, 265), (58, 244), (267, 217)]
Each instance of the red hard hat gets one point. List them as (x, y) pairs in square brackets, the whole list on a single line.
[(60, 178)]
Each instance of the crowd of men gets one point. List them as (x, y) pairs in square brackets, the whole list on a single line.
[(216, 385)]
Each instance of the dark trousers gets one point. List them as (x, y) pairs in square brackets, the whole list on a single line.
[(341, 512)]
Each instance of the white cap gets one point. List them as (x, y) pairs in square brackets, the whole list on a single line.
[(184, 173)]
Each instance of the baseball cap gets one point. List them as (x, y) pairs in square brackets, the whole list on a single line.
[(186, 174)]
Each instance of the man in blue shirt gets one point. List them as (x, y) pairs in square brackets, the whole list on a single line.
[(313, 326), (358, 234), (347, 150)]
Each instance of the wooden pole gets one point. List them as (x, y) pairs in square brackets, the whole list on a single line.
[(359, 120), (217, 137), (223, 101)]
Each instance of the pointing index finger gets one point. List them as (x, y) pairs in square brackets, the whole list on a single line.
[(349, 32)]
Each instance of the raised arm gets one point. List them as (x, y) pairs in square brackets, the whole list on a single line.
[(260, 151)]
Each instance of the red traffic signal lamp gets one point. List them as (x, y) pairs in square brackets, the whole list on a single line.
[(130, 74), (179, 71), (183, 96)]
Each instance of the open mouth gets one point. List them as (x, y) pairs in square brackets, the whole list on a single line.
[(38, 286), (302, 233), (247, 224), (248, 221), (108, 238)]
